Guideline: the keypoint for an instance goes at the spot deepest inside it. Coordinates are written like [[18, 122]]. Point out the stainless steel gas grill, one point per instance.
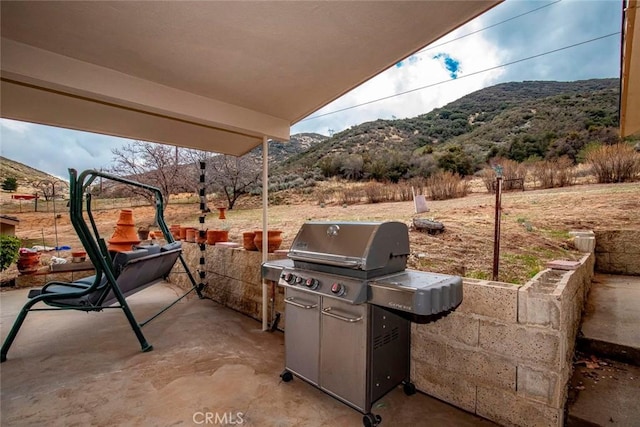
[[348, 306]]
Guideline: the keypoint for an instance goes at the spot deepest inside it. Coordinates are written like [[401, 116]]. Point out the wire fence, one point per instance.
[[97, 204]]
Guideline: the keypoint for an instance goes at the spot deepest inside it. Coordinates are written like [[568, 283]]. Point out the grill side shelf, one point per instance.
[[417, 292]]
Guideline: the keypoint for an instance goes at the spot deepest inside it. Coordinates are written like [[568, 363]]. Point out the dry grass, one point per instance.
[[534, 224]]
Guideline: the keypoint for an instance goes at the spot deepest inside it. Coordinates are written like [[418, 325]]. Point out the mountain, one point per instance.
[[297, 144], [27, 177], [516, 120]]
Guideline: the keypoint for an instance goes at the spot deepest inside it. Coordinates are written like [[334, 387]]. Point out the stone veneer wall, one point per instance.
[[504, 354], [618, 251]]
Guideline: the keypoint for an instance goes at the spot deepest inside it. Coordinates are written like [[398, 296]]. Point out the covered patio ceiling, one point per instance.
[[218, 76]]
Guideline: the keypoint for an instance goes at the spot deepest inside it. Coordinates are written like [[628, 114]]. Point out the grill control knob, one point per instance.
[[312, 283], [288, 277], [337, 289], [298, 280]]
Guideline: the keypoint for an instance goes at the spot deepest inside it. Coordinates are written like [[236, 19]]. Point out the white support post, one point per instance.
[[265, 240]]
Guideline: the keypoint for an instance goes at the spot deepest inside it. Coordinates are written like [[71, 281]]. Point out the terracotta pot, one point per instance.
[[28, 262], [215, 236], [175, 231], [247, 241], [221, 214], [183, 233], [124, 235], [78, 256], [190, 234], [274, 240]]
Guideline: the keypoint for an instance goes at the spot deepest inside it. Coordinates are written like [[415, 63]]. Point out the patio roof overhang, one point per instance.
[[217, 76], [630, 72]]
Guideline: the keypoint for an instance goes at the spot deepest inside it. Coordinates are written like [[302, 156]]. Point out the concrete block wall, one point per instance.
[[233, 275], [618, 251], [505, 353]]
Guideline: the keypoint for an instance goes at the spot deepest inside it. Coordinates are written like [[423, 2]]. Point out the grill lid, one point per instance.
[[363, 246]]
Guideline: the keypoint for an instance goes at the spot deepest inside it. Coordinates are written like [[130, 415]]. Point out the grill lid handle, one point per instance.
[[327, 259]]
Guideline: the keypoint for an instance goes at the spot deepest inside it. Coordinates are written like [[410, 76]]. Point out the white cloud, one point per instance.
[[560, 24], [473, 54], [54, 150], [15, 126]]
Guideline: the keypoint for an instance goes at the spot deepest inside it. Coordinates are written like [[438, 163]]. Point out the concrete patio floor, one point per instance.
[[73, 368]]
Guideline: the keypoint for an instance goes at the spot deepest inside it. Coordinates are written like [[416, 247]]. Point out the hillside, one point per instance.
[[514, 120], [281, 151], [27, 177]]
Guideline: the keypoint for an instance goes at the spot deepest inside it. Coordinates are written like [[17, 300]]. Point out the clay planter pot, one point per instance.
[[190, 234], [28, 262], [274, 239], [175, 231], [124, 236], [247, 241], [78, 256], [215, 236], [183, 233], [221, 215]]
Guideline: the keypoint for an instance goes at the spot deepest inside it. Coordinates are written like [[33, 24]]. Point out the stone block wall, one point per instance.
[[233, 275], [618, 251], [505, 353]]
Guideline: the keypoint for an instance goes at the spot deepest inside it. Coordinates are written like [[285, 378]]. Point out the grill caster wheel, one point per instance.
[[409, 389], [370, 420], [286, 376]]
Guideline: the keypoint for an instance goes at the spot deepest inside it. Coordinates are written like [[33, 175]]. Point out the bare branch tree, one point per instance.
[[229, 175], [51, 190], [154, 164]]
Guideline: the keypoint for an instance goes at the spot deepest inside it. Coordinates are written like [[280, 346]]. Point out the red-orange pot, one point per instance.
[[274, 240], [215, 236]]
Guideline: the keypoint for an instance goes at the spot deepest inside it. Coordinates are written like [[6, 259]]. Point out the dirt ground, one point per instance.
[[534, 227]]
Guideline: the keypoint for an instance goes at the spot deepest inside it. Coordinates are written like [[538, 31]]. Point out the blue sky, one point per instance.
[[455, 60]]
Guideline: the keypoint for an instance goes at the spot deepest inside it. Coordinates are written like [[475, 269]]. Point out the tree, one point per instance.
[[231, 175], [159, 165], [50, 189], [10, 184], [456, 160], [352, 167]]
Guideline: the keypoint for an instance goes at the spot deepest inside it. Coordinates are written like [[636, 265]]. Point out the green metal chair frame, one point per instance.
[[106, 287]]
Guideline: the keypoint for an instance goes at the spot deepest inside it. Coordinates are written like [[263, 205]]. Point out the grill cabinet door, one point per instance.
[[343, 354], [302, 334]]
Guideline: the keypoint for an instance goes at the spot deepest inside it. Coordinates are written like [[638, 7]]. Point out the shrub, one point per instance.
[[614, 163], [446, 185], [514, 175], [9, 246], [553, 173], [403, 191], [375, 192], [350, 196], [455, 159]]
